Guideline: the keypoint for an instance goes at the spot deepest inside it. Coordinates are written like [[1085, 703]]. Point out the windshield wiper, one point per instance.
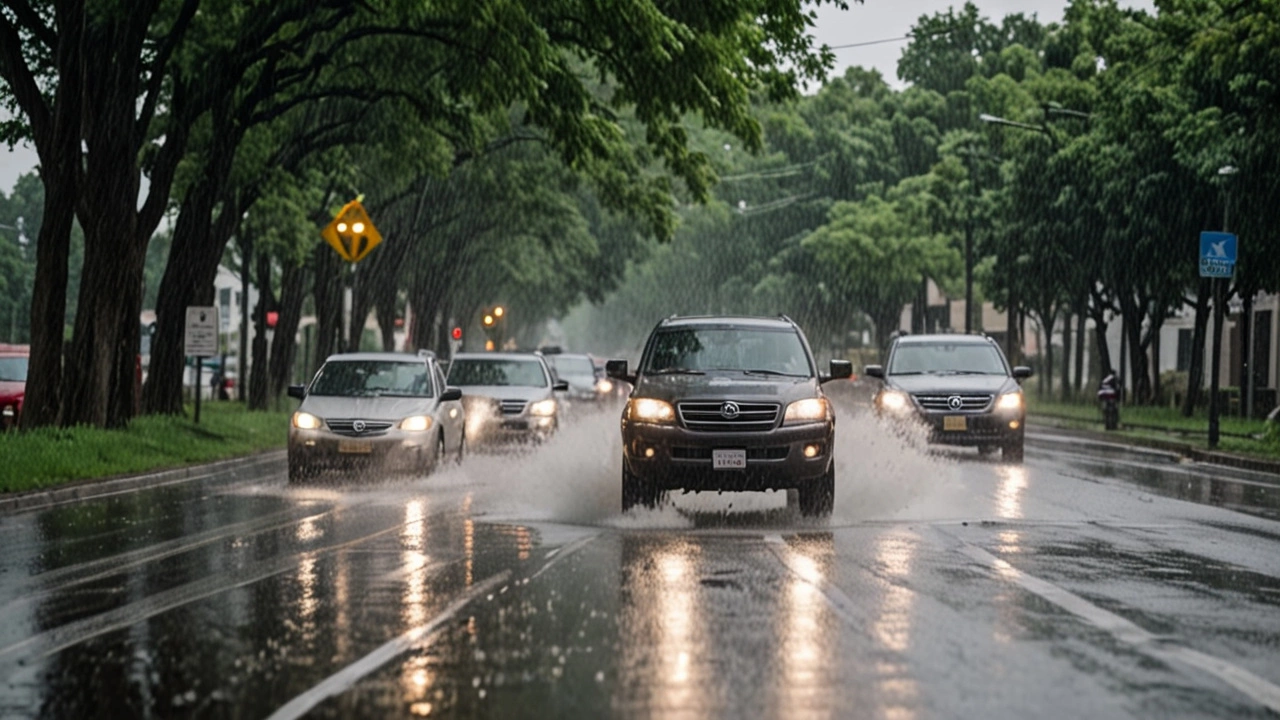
[[913, 372], [401, 394], [777, 373], [676, 371]]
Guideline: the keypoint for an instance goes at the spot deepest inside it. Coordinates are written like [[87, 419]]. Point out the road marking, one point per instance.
[[563, 552], [1260, 690], [348, 676], [843, 605]]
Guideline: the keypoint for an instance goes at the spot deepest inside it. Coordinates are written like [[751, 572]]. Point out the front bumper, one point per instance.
[[510, 430], [672, 457], [975, 429], [396, 450]]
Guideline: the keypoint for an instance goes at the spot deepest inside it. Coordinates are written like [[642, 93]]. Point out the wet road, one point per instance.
[[1077, 585]]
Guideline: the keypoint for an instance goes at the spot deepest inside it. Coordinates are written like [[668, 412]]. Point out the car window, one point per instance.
[[13, 369], [362, 378], [773, 351], [576, 369], [522, 373], [940, 358]]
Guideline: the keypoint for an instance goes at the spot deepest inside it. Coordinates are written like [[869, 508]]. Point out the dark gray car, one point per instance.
[[728, 403], [959, 386]]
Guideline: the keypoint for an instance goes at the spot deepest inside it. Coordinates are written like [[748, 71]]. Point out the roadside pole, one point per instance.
[[201, 340]]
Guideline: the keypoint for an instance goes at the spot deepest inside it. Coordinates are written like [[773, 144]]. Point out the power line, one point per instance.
[[882, 41]]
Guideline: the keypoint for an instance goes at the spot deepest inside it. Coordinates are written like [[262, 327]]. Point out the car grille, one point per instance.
[[764, 453], [942, 403], [707, 416], [512, 407], [347, 427]]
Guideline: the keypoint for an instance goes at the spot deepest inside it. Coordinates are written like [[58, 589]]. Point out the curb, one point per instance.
[[99, 487], [1167, 447]]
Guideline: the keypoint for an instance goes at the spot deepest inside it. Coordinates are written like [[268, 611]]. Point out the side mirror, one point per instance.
[[1021, 372], [617, 369], [298, 391], [875, 371], [840, 370], [561, 386], [450, 394]]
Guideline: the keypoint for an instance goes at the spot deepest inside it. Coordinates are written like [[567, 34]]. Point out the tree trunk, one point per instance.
[[257, 378], [1246, 349], [1066, 355], [1195, 374], [1081, 335], [1139, 367], [293, 281], [41, 403], [189, 275], [328, 299]]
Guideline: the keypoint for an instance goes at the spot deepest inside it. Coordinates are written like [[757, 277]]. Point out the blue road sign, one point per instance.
[[1217, 254]]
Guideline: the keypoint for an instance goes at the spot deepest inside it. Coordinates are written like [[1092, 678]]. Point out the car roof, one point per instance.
[[947, 338], [377, 356], [498, 356], [772, 323]]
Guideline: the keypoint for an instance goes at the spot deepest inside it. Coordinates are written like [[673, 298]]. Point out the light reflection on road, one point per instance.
[[892, 627]]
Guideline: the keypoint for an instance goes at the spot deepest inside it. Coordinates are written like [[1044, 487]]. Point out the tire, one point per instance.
[[437, 458], [1111, 416], [638, 491], [299, 473], [462, 450], [1012, 452], [818, 498]]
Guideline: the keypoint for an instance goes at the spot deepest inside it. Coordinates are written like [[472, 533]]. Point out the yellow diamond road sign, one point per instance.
[[352, 233]]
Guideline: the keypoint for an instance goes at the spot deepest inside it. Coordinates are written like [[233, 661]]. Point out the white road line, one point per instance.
[[1260, 690], [843, 605], [348, 676]]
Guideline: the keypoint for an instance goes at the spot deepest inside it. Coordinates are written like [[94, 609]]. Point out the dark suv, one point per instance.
[[960, 386], [728, 403]]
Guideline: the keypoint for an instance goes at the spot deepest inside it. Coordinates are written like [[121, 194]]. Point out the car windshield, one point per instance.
[[701, 349], [576, 369], [920, 358], [522, 373], [372, 378], [13, 369]]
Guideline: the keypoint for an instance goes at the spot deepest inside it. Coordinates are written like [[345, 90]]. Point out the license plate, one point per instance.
[[955, 423], [355, 447], [729, 459]]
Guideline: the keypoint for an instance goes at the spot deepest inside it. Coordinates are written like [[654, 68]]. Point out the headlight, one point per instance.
[[306, 421], [543, 408], [416, 423], [1009, 401], [604, 387], [807, 410], [651, 411], [894, 401]]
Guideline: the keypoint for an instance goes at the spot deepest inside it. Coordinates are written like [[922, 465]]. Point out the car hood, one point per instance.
[[371, 408], [749, 388], [948, 384], [507, 392], [11, 389]]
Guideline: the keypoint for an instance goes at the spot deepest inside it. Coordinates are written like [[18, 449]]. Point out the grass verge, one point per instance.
[[53, 456], [1236, 434]]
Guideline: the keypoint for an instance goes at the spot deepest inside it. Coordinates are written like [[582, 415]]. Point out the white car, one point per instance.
[[509, 396], [376, 411]]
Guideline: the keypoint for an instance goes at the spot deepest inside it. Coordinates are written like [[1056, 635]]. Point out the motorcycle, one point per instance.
[[1109, 399]]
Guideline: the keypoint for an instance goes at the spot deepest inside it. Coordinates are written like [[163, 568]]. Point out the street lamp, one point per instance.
[[1225, 172]]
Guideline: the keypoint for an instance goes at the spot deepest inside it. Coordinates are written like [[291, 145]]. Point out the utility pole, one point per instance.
[[1218, 316]]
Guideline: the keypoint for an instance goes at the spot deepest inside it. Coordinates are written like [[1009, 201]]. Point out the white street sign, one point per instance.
[[201, 337]]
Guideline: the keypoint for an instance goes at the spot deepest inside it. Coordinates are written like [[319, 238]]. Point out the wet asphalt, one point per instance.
[[1082, 583]]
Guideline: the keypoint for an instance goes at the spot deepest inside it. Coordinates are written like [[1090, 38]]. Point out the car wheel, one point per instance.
[[299, 473], [818, 498], [462, 449], [638, 491], [1012, 452]]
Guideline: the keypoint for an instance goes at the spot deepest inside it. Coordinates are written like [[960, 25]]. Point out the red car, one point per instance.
[[13, 382]]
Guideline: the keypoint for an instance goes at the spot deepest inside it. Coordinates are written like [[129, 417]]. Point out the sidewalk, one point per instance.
[[1181, 449]]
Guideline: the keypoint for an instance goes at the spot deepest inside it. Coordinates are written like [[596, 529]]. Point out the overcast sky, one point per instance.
[[869, 22]]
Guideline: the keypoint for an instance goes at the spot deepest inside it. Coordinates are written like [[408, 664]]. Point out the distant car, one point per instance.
[[728, 403], [587, 382], [509, 396], [376, 411], [14, 361], [960, 387]]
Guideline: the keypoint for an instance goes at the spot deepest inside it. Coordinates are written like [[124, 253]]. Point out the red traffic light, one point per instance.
[[457, 333]]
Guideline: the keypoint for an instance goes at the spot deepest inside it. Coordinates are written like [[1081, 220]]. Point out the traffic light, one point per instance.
[[493, 322], [457, 333]]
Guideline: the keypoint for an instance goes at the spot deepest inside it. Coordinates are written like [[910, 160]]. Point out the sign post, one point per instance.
[[1218, 262], [201, 340]]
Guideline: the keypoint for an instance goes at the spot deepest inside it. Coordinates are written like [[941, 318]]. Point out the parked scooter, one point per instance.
[[1109, 399]]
